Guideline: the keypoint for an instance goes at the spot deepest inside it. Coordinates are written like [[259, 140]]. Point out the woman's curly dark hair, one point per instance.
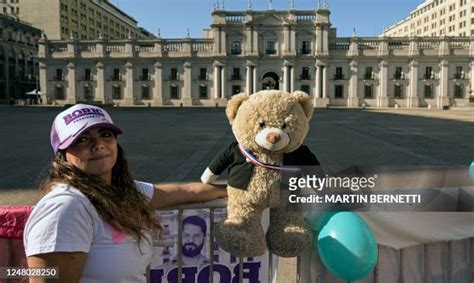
[[119, 204]]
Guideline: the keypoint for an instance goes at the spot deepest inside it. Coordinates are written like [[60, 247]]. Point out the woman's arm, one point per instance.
[[166, 195], [69, 266]]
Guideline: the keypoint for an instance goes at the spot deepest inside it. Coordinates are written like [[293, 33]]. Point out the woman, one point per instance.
[[94, 222]]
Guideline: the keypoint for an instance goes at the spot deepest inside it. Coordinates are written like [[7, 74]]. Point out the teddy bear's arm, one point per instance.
[[220, 162], [208, 177]]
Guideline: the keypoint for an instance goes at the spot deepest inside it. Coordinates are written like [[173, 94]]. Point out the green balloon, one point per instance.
[[346, 245], [471, 171]]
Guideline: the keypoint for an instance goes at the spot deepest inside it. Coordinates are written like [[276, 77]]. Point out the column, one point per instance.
[[45, 96], [292, 41], [442, 97], [382, 99], [158, 90], [318, 45], [255, 41], [223, 82], [217, 81], [248, 81], [292, 78], [317, 81], [129, 82], [286, 39], [353, 100], [100, 89], [256, 87], [325, 81], [187, 94], [248, 41], [71, 80], [285, 78], [412, 97], [325, 40]]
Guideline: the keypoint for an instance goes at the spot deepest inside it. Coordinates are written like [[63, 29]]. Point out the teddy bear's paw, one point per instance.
[[242, 240], [289, 241]]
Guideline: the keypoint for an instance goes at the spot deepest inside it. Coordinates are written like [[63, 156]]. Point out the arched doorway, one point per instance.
[[270, 81]]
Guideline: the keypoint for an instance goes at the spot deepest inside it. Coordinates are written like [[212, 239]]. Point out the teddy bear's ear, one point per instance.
[[306, 103], [233, 105]]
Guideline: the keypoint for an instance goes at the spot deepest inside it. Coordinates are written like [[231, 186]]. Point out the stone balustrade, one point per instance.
[[127, 48]]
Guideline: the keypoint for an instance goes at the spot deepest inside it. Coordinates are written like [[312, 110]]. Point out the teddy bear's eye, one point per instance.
[[262, 124], [283, 126]]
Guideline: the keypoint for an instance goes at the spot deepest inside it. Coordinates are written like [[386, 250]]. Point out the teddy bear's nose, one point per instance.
[[273, 138]]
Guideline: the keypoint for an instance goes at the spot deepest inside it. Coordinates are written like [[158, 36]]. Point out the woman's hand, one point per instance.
[[166, 195]]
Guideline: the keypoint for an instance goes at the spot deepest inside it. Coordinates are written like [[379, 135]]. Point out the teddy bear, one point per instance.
[[269, 127]]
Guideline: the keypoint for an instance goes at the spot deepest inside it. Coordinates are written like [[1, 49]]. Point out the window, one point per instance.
[[174, 94], [59, 75], [339, 75], [428, 91], [305, 47], [398, 91], [236, 74], [203, 91], [339, 91], [368, 73], [203, 74], [368, 91], [236, 48], [88, 95], [305, 73], [174, 74], [459, 73], [458, 91], [270, 47], [145, 92], [306, 89], [398, 73], [59, 92], [116, 75], [235, 89], [145, 75], [87, 75], [116, 92], [429, 73]]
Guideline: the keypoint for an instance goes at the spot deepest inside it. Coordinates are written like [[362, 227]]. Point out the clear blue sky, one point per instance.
[[173, 17]]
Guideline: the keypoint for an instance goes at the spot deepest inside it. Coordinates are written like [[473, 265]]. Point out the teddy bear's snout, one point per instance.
[[273, 138]]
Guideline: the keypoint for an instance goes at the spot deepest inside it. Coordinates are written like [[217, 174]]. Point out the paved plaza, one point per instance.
[[176, 144]]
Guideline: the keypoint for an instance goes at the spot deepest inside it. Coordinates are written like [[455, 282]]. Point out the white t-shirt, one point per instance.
[[64, 220]]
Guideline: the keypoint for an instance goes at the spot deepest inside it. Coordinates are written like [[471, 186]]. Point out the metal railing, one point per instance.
[[211, 206]]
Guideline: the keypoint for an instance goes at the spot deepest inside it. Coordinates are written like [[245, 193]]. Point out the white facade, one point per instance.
[[437, 18], [253, 50]]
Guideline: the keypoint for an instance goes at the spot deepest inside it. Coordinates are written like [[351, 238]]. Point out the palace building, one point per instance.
[[247, 51]]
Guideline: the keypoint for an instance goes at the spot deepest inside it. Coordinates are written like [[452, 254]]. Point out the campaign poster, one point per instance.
[[197, 255]]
